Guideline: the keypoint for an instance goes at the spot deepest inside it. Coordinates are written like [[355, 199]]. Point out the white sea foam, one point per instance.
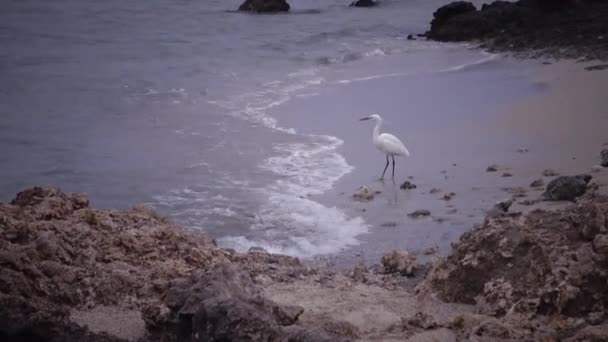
[[290, 221], [488, 57]]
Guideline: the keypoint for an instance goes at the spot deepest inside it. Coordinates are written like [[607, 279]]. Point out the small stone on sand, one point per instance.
[[419, 213], [389, 224], [448, 196], [434, 190], [407, 185], [492, 168], [507, 174]]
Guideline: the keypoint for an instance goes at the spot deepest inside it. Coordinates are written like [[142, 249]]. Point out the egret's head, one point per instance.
[[374, 117]]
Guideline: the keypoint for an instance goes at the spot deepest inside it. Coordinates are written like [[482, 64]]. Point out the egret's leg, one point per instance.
[[393, 166], [385, 167]]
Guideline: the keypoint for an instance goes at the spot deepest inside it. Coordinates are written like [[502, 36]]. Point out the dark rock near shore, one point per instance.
[[540, 265], [566, 188], [264, 6], [363, 3], [565, 27]]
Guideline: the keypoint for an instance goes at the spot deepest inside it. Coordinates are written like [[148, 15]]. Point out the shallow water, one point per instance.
[[203, 113]]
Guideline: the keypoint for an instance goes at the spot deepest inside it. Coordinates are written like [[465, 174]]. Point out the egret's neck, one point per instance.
[[377, 129]]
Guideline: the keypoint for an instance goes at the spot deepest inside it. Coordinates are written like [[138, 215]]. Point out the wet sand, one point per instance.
[[522, 116]]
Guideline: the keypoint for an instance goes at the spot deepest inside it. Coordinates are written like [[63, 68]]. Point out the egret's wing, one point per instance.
[[391, 144]]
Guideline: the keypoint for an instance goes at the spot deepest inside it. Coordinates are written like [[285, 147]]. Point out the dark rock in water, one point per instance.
[[407, 185], [444, 13], [492, 168], [566, 188], [363, 3], [410, 37], [604, 156], [419, 213], [550, 173], [264, 6], [507, 174], [459, 21], [434, 190], [537, 183], [443, 25]]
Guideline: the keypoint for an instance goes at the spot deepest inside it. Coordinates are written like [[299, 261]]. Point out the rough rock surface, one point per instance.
[[550, 266], [566, 188], [569, 28], [223, 304], [64, 266], [72, 273], [399, 262], [604, 158], [264, 6]]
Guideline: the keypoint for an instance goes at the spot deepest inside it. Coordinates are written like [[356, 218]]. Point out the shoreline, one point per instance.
[[526, 270], [144, 273], [517, 150]]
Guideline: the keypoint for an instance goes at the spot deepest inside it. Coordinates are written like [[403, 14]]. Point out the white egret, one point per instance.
[[387, 143]]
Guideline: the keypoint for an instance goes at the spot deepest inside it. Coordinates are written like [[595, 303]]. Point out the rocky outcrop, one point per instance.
[[570, 26], [544, 264], [566, 188], [264, 6], [72, 273], [57, 254]]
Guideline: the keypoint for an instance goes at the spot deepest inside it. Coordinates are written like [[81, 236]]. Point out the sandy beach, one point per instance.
[[521, 116]]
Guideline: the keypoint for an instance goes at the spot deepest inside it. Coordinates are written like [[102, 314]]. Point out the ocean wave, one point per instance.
[[289, 221]]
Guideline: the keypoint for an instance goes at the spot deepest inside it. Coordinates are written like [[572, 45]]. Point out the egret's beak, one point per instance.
[[365, 118]]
